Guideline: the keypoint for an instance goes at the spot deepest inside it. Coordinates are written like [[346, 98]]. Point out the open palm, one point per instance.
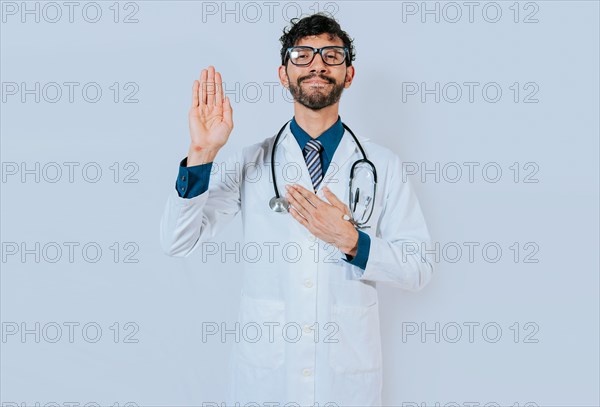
[[211, 115]]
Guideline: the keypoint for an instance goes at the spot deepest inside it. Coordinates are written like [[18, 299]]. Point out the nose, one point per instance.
[[318, 64]]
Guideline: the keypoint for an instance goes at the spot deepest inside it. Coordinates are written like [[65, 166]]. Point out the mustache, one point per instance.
[[322, 77]]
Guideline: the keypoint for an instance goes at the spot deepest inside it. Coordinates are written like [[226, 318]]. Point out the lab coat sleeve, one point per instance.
[[396, 252], [186, 222]]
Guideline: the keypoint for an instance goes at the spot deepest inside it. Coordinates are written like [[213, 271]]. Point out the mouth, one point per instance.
[[316, 84]]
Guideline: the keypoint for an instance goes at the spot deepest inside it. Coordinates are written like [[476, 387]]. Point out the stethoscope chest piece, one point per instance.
[[280, 205]]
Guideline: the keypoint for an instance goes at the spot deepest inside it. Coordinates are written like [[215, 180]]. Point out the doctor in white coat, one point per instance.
[[310, 297]]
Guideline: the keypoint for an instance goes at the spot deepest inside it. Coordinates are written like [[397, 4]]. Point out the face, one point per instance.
[[317, 85]]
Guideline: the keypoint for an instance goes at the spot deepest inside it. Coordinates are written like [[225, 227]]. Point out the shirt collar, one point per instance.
[[330, 138]]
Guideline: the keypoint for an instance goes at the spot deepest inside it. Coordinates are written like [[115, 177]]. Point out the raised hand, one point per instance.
[[210, 118]]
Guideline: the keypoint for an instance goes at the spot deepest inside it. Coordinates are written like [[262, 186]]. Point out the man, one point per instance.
[[327, 287]]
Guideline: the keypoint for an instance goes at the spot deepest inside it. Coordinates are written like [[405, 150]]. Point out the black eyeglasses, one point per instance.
[[303, 56]]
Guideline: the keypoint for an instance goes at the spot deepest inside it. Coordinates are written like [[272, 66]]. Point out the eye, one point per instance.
[[300, 53], [334, 55]]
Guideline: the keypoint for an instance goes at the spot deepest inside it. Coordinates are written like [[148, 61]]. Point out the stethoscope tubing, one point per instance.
[[362, 151]]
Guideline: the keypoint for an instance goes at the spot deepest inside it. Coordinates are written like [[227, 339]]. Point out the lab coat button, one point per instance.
[[307, 372], [308, 283], [312, 238], [307, 329]]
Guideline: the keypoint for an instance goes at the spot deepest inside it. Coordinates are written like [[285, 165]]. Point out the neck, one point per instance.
[[315, 122]]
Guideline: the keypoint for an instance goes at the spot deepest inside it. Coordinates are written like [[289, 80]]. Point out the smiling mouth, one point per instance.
[[319, 84]]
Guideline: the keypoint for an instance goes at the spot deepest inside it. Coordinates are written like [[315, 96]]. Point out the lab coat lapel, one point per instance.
[[336, 178], [292, 170], [293, 156], [334, 175]]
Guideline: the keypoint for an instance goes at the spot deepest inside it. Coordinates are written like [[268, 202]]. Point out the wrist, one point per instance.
[[200, 155], [351, 246]]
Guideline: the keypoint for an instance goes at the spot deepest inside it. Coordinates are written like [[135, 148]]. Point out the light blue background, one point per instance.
[[169, 298]]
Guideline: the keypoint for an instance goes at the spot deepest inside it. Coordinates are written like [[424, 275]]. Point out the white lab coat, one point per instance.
[[330, 351]]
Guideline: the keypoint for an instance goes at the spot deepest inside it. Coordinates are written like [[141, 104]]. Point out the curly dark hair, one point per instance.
[[315, 24]]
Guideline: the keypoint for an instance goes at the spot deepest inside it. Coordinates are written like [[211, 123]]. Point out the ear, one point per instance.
[[283, 78], [349, 76]]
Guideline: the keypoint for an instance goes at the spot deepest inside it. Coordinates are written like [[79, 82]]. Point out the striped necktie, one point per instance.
[[312, 157]]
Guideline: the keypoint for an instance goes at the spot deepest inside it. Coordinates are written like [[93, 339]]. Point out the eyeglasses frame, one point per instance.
[[315, 52]]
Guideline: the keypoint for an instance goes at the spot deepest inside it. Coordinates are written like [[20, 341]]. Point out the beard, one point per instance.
[[316, 98]]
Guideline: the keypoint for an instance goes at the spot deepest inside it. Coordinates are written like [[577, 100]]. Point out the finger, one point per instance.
[[218, 90], [210, 87], [303, 199], [300, 206], [296, 215], [195, 95], [334, 200], [203, 77], [311, 197], [298, 201]]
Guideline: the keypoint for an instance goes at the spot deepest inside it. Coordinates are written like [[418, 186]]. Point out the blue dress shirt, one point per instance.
[[330, 139], [193, 181]]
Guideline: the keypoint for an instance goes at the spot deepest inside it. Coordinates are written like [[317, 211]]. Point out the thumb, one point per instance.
[[227, 112], [334, 200]]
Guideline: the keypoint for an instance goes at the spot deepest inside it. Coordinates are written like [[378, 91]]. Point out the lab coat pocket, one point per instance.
[[358, 345], [261, 341]]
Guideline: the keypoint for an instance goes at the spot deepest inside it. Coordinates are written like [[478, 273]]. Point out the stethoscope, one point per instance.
[[281, 205]]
